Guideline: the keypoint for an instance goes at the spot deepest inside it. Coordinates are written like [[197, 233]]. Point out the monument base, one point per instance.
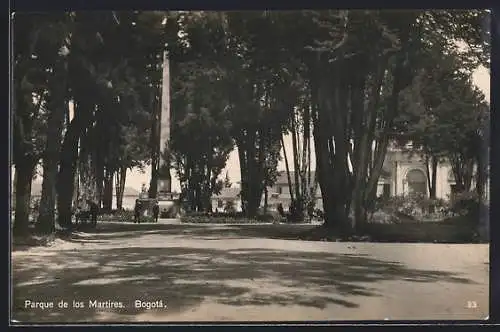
[[163, 185]]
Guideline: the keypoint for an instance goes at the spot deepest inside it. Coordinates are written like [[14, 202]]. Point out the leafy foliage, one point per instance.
[[357, 78], [414, 208]]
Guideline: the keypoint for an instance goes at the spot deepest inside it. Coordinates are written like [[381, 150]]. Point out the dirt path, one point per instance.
[[237, 273]]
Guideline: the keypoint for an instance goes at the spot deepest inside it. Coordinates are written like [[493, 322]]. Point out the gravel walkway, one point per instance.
[[174, 272]]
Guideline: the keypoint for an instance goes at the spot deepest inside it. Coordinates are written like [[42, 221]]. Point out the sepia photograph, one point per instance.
[[249, 166]]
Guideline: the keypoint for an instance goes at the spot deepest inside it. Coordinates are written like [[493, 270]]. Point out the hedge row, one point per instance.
[[123, 216], [222, 220]]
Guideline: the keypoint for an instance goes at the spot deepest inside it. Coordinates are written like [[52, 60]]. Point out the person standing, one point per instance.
[[93, 210], [310, 210], [137, 211], [281, 211], [156, 211]]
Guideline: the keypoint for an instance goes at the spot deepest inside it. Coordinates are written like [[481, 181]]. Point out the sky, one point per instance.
[[135, 179]]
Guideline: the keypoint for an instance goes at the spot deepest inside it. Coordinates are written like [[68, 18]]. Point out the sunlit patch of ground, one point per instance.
[[206, 273]]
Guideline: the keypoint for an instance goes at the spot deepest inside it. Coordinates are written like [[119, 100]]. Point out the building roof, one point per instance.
[[228, 193], [283, 178]]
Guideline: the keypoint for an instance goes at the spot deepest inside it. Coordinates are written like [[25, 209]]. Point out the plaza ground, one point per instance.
[[246, 273]]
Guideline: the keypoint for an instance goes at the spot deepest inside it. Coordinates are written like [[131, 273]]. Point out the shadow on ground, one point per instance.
[[184, 277], [205, 232], [111, 231]]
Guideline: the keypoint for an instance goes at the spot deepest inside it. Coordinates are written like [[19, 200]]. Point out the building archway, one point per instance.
[[417, 182]]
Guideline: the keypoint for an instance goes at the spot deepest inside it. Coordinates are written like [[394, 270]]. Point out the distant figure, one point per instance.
[[137, 211], [93, 210], [144, 192], [280, 210], [156, 211], [76, 212], [310, 210]]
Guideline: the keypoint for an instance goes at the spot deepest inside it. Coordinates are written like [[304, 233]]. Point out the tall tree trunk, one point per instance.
[[305, 166], [25, 113], [400, 80], [295, 156], [208, 183], [255, 165], [107, 197], [242, 155], [309, 179], [481, 176], [58, 107], [265, 199], [251, 175], [24, 177], [364, 124], [462, 168], [13, 190], [323, 168], [469, 172], [482, 160], [66, 175], [434, 166], [243, 170], [121, 175], [99, 176], [198, 198], [262, 154], [431, 164], [428, 172], [287, 169], [83, 117], [331, 152], [87, 179]]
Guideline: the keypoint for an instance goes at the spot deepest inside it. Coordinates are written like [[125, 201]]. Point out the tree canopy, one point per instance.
[[347, 81]]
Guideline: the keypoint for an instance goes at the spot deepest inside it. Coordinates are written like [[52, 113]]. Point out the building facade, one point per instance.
[[279, 193], [227, 199], [403, 174]]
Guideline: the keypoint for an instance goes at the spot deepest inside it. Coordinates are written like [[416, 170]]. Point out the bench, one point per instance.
[[84, 217]]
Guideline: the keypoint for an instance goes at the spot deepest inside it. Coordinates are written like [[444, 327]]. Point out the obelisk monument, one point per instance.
[[164, 177]]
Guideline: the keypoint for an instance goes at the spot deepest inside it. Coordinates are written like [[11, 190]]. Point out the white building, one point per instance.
[[404, 174]]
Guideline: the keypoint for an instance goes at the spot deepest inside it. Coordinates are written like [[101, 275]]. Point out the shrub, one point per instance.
[[318, 213], [414, 206], [217, 220], [216, 214], [147, 219], [452, 230], [269, 217], [124, 215], [466, 203], [229, 207], [230, 217]]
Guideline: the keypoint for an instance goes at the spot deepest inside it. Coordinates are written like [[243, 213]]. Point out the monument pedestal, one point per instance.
[[168, 201]]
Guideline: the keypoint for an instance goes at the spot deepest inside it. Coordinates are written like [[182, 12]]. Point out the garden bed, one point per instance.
[[123, 216], [222, 220], [452, 230], [270, 217]]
